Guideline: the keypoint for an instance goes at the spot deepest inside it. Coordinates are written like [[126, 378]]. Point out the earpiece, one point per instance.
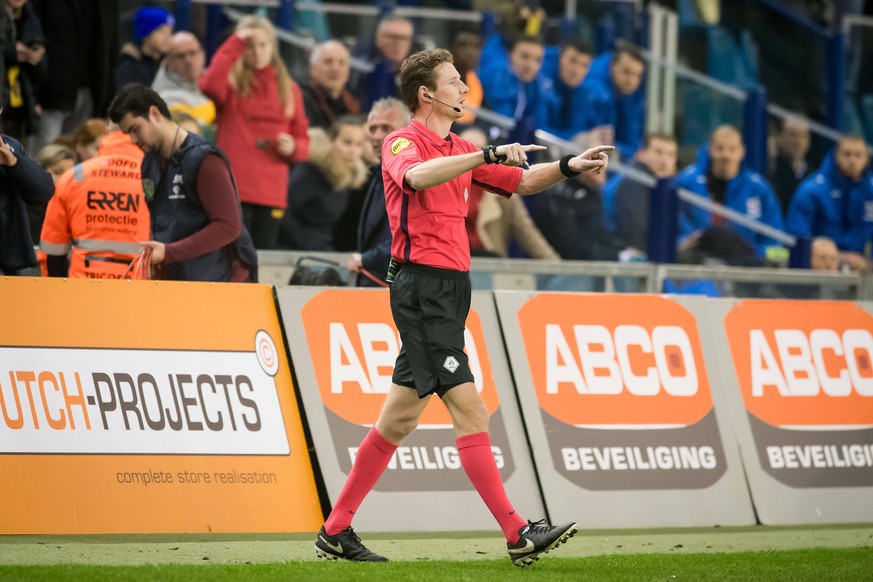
[[457, 109]]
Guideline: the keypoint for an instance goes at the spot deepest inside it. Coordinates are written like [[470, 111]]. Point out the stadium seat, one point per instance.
[[867, 116], [702, 109], [731, 60]]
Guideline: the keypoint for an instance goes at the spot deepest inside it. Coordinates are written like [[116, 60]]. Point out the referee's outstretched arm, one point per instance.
[[438, 171], [541, 176]]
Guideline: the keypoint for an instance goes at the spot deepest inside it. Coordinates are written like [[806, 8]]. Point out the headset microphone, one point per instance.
[[457, 109]]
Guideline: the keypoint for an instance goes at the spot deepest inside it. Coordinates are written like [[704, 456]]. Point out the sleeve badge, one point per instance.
[[400, 144]]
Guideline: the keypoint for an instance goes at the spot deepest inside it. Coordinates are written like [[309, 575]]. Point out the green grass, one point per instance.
[[834, 564]]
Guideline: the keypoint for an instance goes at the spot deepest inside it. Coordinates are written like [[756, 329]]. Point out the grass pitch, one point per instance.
[[819, 564], [843, 552]]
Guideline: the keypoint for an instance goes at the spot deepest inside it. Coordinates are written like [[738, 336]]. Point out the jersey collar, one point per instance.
[[431, 136]]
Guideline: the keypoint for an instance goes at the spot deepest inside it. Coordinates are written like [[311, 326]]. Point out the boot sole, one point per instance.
[[322, 554], [531, 558]]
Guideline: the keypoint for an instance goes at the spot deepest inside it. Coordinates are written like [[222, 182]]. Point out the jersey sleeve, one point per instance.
[[499, 179], [399, 154]]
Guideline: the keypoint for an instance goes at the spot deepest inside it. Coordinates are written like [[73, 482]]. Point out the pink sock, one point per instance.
[[370, 462], [478, 462]]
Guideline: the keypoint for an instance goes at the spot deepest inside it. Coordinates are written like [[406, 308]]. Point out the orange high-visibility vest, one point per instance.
[[473, 98], [99, 212]]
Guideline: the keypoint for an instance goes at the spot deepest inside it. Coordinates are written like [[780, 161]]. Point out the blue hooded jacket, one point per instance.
[[565, 106], [747, 193], [504, 93], [602, 104], [829, 204]]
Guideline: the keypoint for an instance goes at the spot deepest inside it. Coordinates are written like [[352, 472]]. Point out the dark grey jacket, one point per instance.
[[24, 183]]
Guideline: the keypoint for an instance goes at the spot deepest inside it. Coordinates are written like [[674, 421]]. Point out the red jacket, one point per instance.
[[248, 128]]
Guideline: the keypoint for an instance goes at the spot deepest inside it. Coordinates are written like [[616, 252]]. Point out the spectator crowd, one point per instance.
[[238, 155]]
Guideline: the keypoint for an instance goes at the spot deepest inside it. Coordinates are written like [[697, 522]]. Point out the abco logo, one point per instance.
[[615, 361], [354, 343], [804, 365]]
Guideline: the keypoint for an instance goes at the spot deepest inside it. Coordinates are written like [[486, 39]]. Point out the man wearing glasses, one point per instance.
[[176, 81]]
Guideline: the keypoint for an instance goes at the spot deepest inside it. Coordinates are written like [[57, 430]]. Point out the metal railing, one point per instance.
[[301, 42], [740, 95], [673, 69], [685, 195], [525, 274], [405, 11]]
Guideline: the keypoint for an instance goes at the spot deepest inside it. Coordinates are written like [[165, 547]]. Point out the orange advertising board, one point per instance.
[[354, 343], [613, 360], [804, 364], [138, 407], [623, 393], [806, 380]]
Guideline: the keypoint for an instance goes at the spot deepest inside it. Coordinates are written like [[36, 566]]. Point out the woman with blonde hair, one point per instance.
[[261, 122], [87, 138], [56, 159], [319, 190]]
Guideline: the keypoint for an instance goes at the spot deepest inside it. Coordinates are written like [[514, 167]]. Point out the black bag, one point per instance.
[[721, 242], [325, 275]]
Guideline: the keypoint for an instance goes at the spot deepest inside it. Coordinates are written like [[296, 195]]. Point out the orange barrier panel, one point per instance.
[[136, 407], [806, 379], [344, 344], [617, 399]]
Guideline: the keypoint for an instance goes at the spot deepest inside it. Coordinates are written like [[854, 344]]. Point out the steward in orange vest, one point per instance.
[[99, 212]]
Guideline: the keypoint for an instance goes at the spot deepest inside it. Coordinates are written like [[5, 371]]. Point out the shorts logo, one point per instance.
[[451, 364], [400, 144]]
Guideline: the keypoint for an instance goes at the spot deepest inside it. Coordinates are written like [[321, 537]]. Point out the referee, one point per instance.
[[428, 172]]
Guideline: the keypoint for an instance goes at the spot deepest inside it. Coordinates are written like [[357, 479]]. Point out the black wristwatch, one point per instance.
[[489, 152]]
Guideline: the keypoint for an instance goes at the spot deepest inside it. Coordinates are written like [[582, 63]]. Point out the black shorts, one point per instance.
[[430, 308]]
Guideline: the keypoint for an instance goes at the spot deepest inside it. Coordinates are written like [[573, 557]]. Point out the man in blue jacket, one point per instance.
[[566, 68], [719, 175], [22, 182], [613, 95], [515, 88], [837, 202]]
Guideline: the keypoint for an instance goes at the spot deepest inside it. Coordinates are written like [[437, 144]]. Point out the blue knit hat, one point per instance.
[[148, 19]]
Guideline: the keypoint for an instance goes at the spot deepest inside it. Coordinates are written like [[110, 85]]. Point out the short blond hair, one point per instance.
[[420, 69], [53, 153]]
